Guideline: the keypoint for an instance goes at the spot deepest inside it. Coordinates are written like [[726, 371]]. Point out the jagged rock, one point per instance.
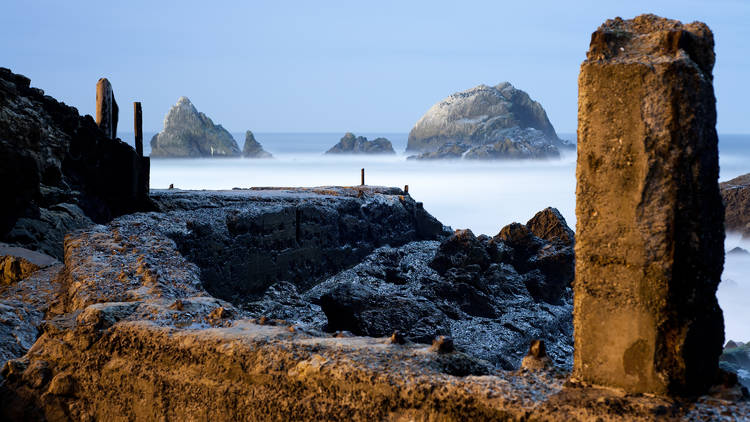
[[736, 196], [253, 148], [190, 133], [62, 171], [116, 332], [351, 144], [489, 123], [17, 264], [736, 359], [650, 238]]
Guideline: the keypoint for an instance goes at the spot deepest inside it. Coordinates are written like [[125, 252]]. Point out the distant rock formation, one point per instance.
[[60, 171], [499, 150], [190, 133], [253, 148], [488, 117], [736, 196], [351, 144]]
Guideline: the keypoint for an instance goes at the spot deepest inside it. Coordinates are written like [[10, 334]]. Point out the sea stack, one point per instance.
[[649, 239], [190, 133], [351, 144], [253, 148], [485, 122]]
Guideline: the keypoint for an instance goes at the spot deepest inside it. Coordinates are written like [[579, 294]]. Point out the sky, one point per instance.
[[325, 66]]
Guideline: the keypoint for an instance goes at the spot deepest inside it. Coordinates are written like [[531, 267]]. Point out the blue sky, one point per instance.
[[319, 66]]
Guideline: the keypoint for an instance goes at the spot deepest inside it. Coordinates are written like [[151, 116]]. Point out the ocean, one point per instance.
[[481, 196]]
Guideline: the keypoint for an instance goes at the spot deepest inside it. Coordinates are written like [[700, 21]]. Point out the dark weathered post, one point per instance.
[[650, 235], [138, 127], [406, 188], [107, 112], [363, 177]]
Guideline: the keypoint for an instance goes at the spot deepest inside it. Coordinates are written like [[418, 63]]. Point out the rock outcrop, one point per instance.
[[60, 171], [736, 359], [736, 196], [351, 144], [499, 150], [487, 117], [190, 133], [130, 332], [253, 148], [650, 235]]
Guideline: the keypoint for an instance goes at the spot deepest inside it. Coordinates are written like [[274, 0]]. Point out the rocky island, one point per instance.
[[253, 148], [485, 122], [189, 133], [351, 144]]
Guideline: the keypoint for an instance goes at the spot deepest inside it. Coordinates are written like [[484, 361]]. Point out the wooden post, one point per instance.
[[363, 177], [138, 127], [406, 188]]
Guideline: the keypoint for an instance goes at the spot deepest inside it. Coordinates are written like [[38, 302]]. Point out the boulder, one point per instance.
[[253, 148], [503, 120], [190, 133], [351, 144], [650, 222], [736, 196]]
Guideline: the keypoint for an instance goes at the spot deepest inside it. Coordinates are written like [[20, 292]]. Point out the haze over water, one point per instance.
[[483, 196]]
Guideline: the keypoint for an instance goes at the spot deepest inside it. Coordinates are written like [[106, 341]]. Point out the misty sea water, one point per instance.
[[481, 196]]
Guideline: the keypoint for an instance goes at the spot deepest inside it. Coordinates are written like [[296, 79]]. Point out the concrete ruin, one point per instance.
[[649, 238], [107, 112]]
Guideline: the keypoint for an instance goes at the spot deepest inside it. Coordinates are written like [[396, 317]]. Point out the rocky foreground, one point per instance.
[[305, 304]]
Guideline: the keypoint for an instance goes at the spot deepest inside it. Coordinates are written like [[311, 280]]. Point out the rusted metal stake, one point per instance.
[[363, 177], [138, 127]]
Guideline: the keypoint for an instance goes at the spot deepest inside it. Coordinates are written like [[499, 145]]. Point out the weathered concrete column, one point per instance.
[[107, 112], [649, 239]]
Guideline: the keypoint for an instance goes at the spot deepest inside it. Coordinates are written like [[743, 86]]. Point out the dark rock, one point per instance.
[[494, 122], [351, 144], [189, 133], [738, 251], [551, 226], [253, 148], [650, 238], [442, 344], [66, 172], [736, 196], [736, 359]]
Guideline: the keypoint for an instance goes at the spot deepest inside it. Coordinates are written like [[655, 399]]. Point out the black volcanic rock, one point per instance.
[[59, 171], [351, 144], [253, 148], [490, 123], [190, 133], [490, 296]]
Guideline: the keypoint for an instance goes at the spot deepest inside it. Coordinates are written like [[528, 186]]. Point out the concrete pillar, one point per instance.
[[107, 112], [649, 238]]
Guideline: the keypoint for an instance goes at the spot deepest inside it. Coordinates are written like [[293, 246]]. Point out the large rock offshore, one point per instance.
[[481, 116], [190, 133], [350, 144], [650, 235]]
